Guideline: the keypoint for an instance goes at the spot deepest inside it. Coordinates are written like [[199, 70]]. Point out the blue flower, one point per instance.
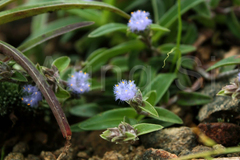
[[78, 83], [139, 21], [238, 77], [32, 95], [125, 90]]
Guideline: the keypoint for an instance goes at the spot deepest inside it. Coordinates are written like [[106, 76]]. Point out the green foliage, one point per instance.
[[224, 62], [193, 99], [108, 51]]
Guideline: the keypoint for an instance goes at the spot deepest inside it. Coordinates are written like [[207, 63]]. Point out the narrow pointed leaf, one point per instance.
[[225, 62], [165, 48], [107, 119], [151, 97], [167, 116], [113, 52], [108, 28], [85, 110], [61, 63], [42, 38], [62, 94], [192, 99], [3, 3], [157, 27], [171, 15], [35, 9], [144, 128], [161, 83], [19, 77], [149, 108]]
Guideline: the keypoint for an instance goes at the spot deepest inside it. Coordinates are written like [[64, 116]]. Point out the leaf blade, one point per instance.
[[227, 61], [32, 10], [49, 35], [108, 28]]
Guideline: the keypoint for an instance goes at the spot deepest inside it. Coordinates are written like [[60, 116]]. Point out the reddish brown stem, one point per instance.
[[39, 79]]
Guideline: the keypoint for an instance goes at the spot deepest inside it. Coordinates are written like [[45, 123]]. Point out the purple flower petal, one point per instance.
[[78, 83], [139, 21], [33, 96], [125, 90]]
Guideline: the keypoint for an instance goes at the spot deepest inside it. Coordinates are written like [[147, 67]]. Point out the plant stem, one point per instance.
[[209, 153], [177, 56]]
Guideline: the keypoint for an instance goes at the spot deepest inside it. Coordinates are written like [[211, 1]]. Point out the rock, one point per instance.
[[221, 108], [173, 140], [47, 155], [14, 156], [20, 147], [68, 156], [184, 152], [201, 148], [32, 157], [157, 154], [226, 134], [82, 155], [113, 155]]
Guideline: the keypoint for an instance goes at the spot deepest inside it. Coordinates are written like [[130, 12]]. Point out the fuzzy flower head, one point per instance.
[[32, 95], [139, 21], [125, 90], [78, 83]]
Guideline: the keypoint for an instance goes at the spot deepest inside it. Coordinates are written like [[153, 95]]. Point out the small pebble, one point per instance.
[[20, 147], [14, 156]]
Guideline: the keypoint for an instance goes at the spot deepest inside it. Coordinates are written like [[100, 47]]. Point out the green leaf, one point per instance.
[[115, 51], [42, 38], [167, 116], [161, 84], [61, 63], [172, 14], [75, 128], [107, 119], [192, 99], [88, 14], [95, 85], [225, 62], [145, 128], [165, 48], [157, 27], [214, 3], [38, 22], [17, 76], [149, 108], [62, 94], [203, 9], [95, 53], [107, 28], [5, 2], [151, 97], [233, 24], [85, 110], [49, 6], [156, 121]]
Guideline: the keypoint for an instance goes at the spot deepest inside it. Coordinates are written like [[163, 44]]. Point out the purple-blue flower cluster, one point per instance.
[[32, 95], [238, 77], [139, 21], [125, 90], [78, 83]]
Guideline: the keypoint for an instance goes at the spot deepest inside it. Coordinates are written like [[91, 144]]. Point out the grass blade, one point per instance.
[[32, 10], [42, 38]]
